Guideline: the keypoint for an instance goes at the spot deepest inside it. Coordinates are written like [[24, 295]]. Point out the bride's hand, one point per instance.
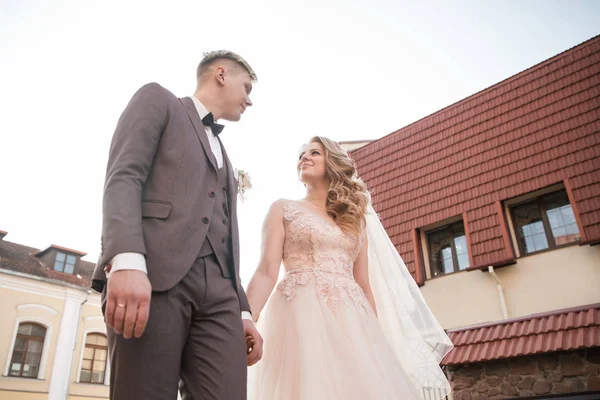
[[254, 342]]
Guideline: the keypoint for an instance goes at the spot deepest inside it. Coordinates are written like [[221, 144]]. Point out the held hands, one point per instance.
[[128, 309], [128, 302], [254, 342]]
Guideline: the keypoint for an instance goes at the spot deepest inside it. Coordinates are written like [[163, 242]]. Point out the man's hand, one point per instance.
[[254, 342], [128, 302]]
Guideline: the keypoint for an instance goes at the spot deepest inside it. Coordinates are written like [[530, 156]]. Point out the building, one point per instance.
[[351, 145], [494, 205], [53, 344]]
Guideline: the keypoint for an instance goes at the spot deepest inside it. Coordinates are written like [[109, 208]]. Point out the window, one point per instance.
[[27, 352], [448, 251], [93, 366], [64, 263], [545, 222]]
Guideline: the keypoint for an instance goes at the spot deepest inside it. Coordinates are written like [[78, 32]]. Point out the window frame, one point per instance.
[[95, 347], [537, 199], [42, 340], [107, 369], [446, 225], [64, 263]]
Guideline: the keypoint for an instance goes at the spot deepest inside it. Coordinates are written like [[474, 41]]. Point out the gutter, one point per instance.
[[500, 292]]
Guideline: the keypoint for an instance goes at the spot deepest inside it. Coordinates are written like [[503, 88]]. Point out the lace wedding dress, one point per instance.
[[322, 340]]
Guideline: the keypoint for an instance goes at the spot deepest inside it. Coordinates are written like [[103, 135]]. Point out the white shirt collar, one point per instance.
[[202, 111], [215, 145]]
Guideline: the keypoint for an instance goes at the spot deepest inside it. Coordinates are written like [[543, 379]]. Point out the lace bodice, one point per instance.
[[316, 248]]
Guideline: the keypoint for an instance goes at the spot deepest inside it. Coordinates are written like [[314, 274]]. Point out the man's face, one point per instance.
[[237, 86]]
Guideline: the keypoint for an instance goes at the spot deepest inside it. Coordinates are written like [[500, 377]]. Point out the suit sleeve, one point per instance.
[[132, 151], [244, 305]]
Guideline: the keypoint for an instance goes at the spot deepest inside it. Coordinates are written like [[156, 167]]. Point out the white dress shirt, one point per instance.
[[136, 261], [215, 145]]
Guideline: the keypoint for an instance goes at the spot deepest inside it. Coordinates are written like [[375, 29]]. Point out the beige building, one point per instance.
[[53, 343], [494, 205]]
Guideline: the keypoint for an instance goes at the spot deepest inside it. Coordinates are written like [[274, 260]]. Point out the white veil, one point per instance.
[[416, 337]]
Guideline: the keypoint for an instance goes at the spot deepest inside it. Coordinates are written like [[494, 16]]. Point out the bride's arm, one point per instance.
[[265, 277], [361, 271]]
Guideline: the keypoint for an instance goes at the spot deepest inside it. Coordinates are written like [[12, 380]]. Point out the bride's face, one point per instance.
[[311, 163]]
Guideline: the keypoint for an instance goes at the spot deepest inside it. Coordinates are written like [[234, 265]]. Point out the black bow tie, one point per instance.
[[209, 120]]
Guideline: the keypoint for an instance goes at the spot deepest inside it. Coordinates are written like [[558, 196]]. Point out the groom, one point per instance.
[[176, 313]]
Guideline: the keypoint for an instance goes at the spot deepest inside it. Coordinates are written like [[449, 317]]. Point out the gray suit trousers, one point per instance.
[[194, 342]]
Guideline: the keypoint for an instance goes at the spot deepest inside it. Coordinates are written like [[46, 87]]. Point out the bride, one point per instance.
[[346, 321]]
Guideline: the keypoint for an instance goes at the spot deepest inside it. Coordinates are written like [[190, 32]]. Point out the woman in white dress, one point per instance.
[[346, 321]]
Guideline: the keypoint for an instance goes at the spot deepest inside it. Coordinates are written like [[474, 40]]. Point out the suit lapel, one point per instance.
[[232, 188], [190, 108]]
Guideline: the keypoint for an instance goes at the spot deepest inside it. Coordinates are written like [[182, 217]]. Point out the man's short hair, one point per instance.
[[209, 57]]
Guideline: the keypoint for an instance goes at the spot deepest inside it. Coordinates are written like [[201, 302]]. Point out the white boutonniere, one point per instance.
[[244, 183]]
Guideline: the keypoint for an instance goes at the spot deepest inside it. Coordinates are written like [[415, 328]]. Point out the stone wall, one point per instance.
[[553, 373]]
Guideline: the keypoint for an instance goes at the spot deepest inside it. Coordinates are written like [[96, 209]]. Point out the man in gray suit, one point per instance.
[[176, 313]]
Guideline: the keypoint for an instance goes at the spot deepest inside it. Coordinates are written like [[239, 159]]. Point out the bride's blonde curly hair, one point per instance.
[[347, 197]]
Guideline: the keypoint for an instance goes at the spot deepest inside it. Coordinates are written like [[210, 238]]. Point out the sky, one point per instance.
[[346, 70]]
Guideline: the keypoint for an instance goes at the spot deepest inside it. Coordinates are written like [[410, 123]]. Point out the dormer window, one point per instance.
[[64, 262], [60, 259]]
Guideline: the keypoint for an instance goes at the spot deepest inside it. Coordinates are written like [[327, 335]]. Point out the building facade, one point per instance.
[[53, 345], [494, 205]]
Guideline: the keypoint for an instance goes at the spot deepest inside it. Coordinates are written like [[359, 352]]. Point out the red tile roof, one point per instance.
[[535, 129], [19, 258], [560, 330]]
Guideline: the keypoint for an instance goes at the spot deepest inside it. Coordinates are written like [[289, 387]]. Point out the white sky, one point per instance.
[[346, 71]]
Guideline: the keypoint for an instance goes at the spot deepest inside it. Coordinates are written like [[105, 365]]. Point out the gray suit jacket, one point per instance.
[[160, 172]]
